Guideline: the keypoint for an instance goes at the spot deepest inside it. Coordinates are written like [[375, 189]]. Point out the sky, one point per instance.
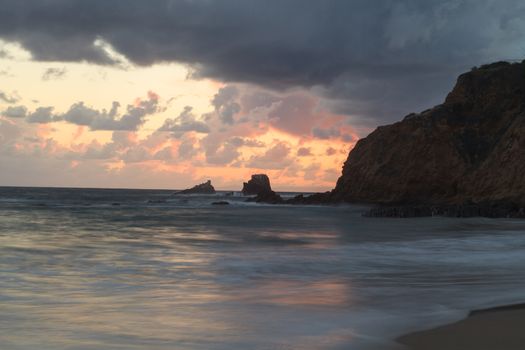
[[170, 93]]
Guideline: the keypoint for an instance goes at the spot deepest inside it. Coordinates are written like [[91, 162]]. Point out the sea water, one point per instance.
[[140, 269]]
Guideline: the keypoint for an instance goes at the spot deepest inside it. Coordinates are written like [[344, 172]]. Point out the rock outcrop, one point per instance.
[[269, 197], [204, 188], [468, 152], [259, 185]]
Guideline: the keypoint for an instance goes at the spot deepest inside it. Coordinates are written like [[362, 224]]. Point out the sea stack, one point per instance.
[[204, 188], [465, 155], [259, 185]]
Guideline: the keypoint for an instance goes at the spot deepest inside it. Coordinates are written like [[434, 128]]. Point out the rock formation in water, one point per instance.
[[259, 185], [465, 157], [204, 188]]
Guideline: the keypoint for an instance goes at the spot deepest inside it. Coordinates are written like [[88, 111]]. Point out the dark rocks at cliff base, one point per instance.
[[221, 203], [204, 188], [490, 210], [259, 185], [316, 198], [470, 149]]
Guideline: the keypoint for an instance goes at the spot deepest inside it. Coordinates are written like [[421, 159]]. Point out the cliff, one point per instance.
[[468, 150]]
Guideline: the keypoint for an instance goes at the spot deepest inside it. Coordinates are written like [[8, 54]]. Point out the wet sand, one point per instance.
[[501, 328]]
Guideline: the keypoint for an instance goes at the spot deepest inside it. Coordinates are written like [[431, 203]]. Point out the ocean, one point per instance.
[[144, 269]]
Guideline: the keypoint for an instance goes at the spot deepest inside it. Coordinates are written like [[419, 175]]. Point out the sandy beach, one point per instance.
[[500, 328]]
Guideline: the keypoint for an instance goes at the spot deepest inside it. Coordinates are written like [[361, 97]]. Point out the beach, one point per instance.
[[489, 329]]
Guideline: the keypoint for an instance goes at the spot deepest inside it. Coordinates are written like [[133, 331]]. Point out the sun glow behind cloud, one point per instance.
[[69, 129]]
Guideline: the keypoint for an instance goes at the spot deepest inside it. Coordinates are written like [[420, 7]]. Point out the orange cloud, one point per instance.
[[290, 137]]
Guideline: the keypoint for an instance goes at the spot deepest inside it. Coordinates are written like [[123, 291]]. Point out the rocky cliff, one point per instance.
[[470, 149]]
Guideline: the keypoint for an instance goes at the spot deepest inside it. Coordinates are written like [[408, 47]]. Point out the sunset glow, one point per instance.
[[60, 129]]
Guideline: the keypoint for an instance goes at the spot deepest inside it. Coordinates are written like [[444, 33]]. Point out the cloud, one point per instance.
[[294, 113], [289, 42], [80, 114], [54, 73], [378, 48], [330, 151], [42, 115], [185, 122], [277, 157], [187, 149], [304, 152], [223, 155], [256, 99], [247, 142], [96, 151], [311, 171], [325, 134], [136, 154], [225, 105], [15, 112], [9, 132], [331, 175], [8, 98], [220, 150]]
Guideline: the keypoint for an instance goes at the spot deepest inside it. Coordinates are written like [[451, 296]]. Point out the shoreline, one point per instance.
[[487, 210], [485, 329]]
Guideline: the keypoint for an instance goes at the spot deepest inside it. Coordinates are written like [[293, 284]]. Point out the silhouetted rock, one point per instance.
[[465, 157], [269, 197], [258, 183], [221, 203], [204, 188], [316, 198]]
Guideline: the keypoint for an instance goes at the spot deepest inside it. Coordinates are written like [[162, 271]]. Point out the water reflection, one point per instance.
[[286, 278], [324, 293]]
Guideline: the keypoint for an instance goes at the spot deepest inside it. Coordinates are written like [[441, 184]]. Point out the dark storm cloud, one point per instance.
[[371, 56]]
